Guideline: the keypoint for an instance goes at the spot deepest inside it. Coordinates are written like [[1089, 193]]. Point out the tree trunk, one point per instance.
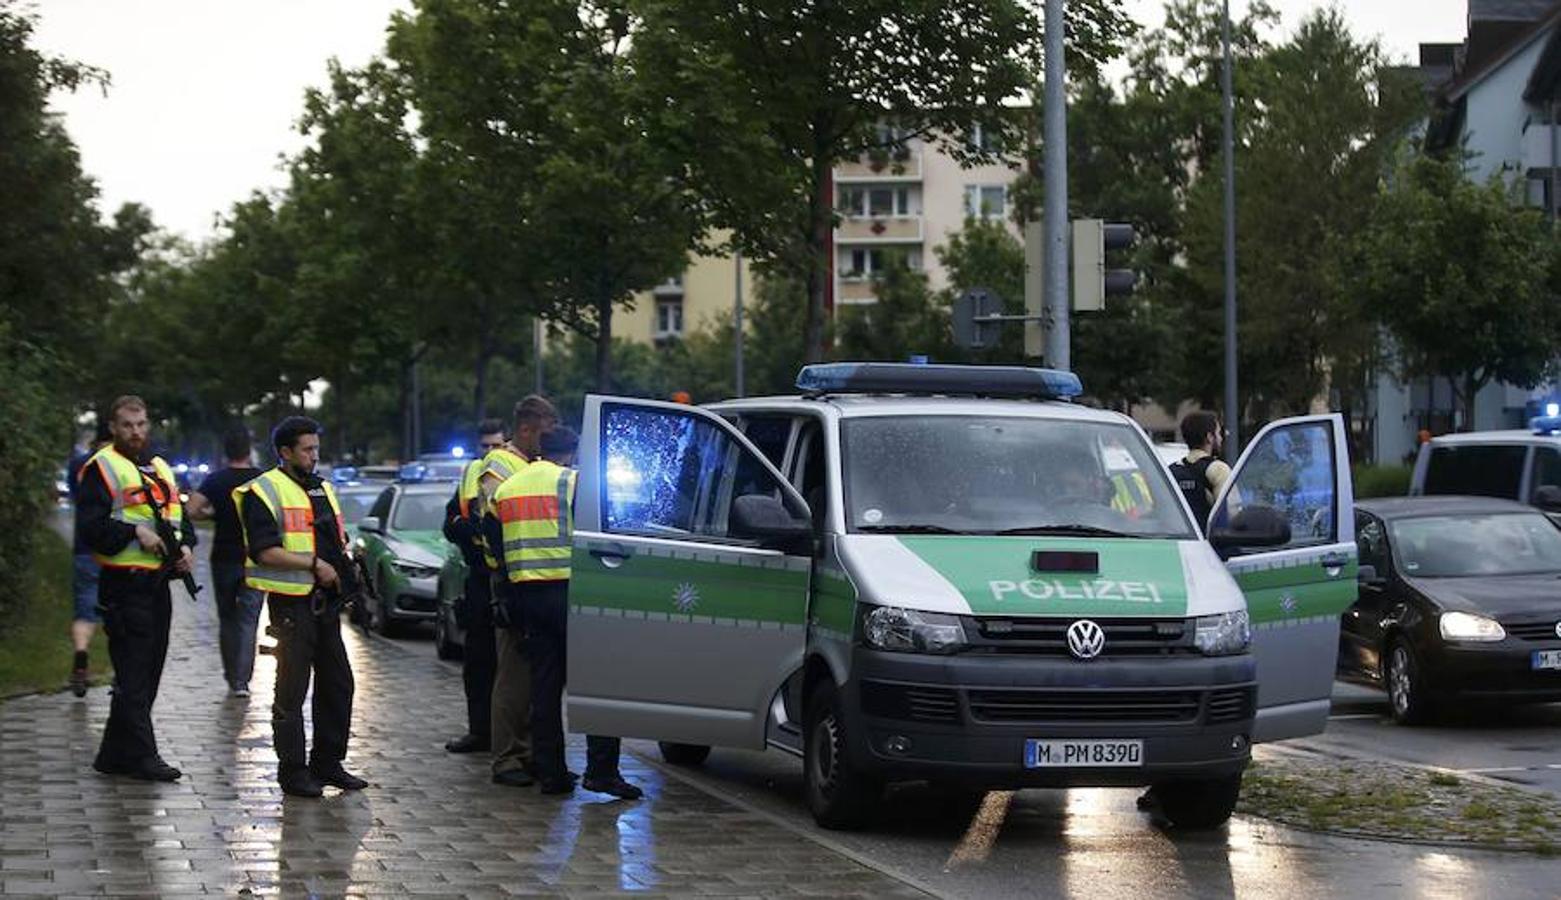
[[485, 353], [820, 246], [1471, 390], [604, 346]]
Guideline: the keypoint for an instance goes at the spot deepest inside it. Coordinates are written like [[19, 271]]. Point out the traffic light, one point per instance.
[[976, 321], [1093, 282]]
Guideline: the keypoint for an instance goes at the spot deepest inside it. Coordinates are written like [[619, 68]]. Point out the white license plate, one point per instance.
[[1042, 753], [1547, 659]]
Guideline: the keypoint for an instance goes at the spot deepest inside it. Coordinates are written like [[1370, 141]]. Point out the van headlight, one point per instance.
[[912, 631], [413, 570], [1462, 626], [1224, 634]]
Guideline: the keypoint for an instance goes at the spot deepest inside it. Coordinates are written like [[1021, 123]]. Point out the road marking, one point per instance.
[[1491, 769], [977, 843], [1355, 716]]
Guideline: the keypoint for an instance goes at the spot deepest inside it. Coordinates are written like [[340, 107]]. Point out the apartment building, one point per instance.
[[907, 203]]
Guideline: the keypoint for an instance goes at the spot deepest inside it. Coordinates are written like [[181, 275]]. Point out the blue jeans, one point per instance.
[[238, 612], [84, 587]]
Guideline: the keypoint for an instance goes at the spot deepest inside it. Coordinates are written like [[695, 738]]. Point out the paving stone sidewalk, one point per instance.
[[430, 824]]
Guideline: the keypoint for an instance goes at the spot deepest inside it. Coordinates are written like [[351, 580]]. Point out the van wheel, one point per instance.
[[1406, 685], [1198, 805], [838, 794], [684, 754]]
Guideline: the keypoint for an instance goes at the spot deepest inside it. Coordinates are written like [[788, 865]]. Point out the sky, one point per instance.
[[205, 93]]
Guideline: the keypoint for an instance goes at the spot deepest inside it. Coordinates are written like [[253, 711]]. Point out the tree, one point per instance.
[[541, 98], [1463, 279], [769, 95]]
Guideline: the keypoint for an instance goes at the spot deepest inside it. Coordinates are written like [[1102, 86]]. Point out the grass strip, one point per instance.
[[1374, 799], [35, 648]]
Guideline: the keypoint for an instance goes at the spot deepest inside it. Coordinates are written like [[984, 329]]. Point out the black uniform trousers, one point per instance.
[[309, 641], [479, 659], [137, 611], [544, 607]]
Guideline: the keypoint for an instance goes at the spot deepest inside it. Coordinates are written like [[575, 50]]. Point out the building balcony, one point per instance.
[[879, 230], [672, 287], [897, 167], [853, 289]]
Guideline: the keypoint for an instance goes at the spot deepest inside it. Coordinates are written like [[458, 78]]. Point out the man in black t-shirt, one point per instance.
[[238, 606], [300, 560]]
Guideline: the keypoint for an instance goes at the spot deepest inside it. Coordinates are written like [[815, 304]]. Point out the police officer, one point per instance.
[[295, 550], [1201, 473], [535, 508], [512, 670], [475, 610], [123, 491]]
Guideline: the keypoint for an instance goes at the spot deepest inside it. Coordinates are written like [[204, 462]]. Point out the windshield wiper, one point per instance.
[[909, 529], [1069, 529]]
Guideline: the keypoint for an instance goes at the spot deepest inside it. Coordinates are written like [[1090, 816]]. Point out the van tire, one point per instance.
[[684, 754], [838, 794], [1198, 805]]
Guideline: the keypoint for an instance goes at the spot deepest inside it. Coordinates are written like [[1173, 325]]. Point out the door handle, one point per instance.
[[612, 558], [1333, 564]]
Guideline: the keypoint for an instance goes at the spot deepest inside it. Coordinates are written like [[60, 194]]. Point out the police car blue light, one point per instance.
[[1545, 424], [903, 378]]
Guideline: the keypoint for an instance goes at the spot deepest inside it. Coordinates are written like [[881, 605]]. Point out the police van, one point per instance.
[[942, 573]]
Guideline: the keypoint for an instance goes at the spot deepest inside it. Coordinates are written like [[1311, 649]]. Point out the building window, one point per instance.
[[866, 262], [983, 139], [985, 201], [875, 202], [669, 318]]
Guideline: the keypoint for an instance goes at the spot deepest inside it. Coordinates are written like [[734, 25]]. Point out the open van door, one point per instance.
[[1297, 590], [689, 590]]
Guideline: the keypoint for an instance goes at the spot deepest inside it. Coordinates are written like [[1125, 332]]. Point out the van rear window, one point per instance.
[[1489, 471]]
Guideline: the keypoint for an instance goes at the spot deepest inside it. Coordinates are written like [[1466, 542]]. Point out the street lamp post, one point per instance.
[[1055, 177], [1232, 411], [737, 327]]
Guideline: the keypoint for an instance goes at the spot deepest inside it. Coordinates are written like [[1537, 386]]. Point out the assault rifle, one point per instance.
[[173, 548]]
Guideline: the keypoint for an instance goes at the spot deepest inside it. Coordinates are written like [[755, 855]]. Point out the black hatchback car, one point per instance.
[[1460, 602]]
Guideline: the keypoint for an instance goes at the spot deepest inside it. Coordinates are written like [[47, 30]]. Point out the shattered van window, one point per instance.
[[658, 468]]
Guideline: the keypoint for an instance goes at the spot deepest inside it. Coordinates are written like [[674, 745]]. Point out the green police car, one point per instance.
[[925, 573], [400, 548]]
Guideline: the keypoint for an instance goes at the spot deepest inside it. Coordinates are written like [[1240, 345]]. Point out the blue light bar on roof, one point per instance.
[[1545, 424], [902, 378]]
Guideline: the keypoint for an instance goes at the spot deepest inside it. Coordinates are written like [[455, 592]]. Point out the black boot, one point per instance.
[[299, 782], [336, 776], [467, 743]]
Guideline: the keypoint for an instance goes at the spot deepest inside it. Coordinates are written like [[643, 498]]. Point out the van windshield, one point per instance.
[[1005, 475]]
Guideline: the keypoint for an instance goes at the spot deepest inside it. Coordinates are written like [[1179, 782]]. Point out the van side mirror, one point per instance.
[[1368, 575], [1254, 527], [370, 525], [765, 519], [1548, 498]]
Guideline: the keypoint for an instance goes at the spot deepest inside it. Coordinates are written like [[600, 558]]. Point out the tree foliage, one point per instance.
[[1464, 280]]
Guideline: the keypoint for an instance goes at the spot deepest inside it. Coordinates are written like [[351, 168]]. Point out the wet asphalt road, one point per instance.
[[1096, 843]]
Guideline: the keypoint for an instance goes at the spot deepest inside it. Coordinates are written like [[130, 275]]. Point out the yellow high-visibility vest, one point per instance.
[[132, 505], [502, 463], [471, 478], [289, 504], [1131, 495], [534, 507]]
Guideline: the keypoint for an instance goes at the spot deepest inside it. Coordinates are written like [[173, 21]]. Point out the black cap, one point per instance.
[[559, 441]]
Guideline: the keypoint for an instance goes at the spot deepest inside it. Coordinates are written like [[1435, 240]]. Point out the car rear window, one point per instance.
[[1493, 470]]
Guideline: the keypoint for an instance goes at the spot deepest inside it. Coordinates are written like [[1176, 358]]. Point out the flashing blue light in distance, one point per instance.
[[919, 360], [458, 452], [1553, 409], [1545, 424], [182, 468], [905, 378], [203, 468]]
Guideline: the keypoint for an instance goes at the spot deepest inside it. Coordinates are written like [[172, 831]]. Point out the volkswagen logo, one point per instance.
[[1086, 639]]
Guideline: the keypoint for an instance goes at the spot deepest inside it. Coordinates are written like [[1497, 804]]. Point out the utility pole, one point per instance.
[[1232, 410], [1055, 163], [536, 354], [737, 327]]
